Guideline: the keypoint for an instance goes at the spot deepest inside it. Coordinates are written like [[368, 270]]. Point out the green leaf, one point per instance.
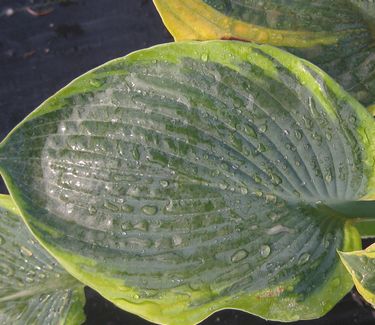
[[337, 35], [371, 109], [361, 265], [34, 288], [366, 228], [192, 177]]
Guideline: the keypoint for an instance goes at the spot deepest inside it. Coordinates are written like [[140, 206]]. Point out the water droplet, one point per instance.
[[251, 132], [298, 134], [276, 180], [261, 148], [111, 206], [327, 240], [169, 205], [265, 250], [304, 258], [25, 252], [136, 296], [317, 137], [257, 179], [263, 128], [177, 240], [127, 208], [270, 198], [243, 190], [29, 280], [328, 177], [223, 186], [278, 229], [274, 216], [164, 183], [239, 255], [92, 210], [126, 226], [143, 225], [352, 119], [286, 132], [149, 209]]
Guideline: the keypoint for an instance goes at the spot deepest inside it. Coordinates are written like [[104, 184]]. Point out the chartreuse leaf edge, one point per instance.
[[90, 190], [361, 266]]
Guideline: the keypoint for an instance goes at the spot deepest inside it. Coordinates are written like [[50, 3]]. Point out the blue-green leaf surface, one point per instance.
[[34, 289], [192, 177]]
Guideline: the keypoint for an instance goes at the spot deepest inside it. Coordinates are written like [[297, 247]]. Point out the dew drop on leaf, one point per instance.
[[298, 134], [149, 209], [278, 229], [164, 183], [243, 190], [92, 210], [29, 280], [127, 208], [223, 186], [143, 226], [263, 128], [25, 252], [276, 180], [265, 250], [239, 255], [304, 258], [177, 240]]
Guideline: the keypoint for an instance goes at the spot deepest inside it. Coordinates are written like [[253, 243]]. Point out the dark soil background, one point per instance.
[[44, 44]]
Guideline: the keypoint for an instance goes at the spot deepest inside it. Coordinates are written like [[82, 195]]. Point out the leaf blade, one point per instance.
[[110, 173], [34, 289], [360, 264]]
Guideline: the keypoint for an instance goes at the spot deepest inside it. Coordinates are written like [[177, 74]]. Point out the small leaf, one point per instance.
[[361, 266], [337, 35], [33, 287], [192, 177]]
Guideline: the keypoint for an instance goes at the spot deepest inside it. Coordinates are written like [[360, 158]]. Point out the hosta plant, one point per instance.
[[337, 35], [197, 176], [361, 265]]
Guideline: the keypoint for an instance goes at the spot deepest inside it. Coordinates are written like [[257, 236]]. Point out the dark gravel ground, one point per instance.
[[44, 44]]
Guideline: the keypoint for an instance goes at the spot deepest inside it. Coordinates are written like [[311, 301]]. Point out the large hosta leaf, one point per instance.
[[34, 288], [361, 265], [192, 177], [337, 35]]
